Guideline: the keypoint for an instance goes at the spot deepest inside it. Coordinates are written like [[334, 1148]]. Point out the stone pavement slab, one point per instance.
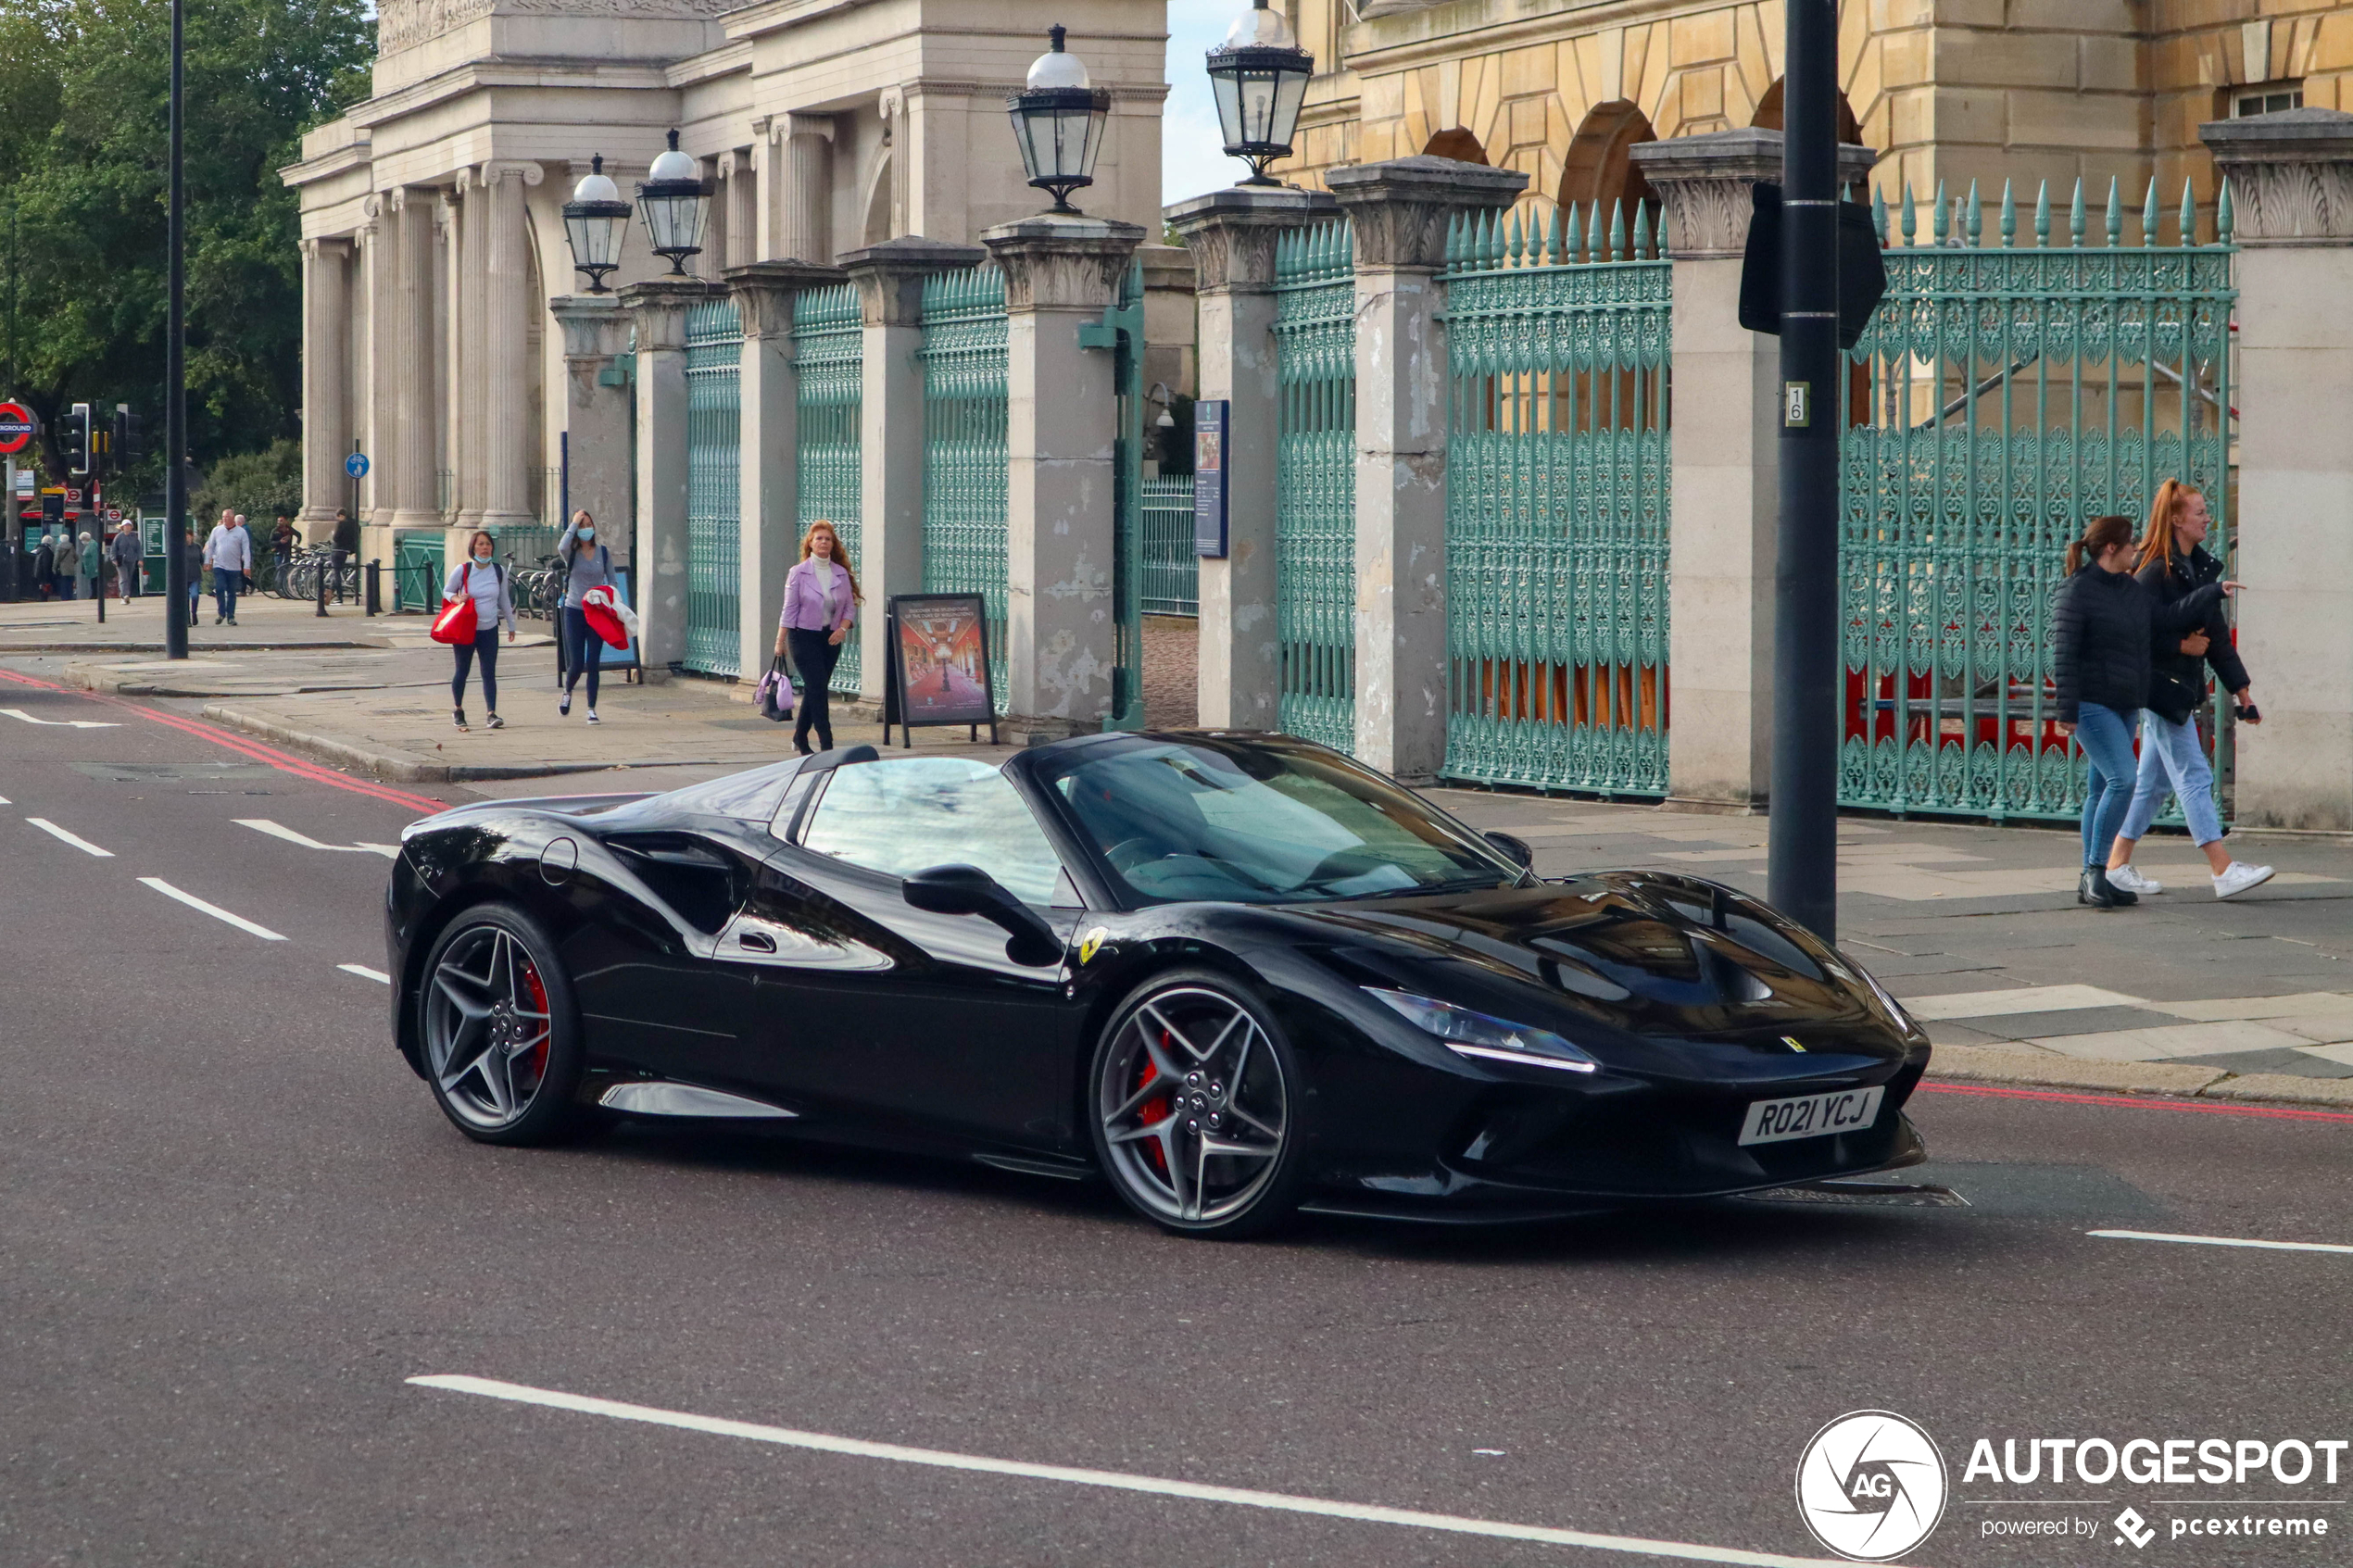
[[137, 625]]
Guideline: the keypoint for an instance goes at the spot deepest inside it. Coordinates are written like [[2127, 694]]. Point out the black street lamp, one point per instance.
[[595, 221], [1259, 75], [676, 202], [1058, 118]]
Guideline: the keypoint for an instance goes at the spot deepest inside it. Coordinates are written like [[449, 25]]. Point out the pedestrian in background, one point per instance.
[[127, 556], [2173, 563], [484, 581], [821, 604], [229, 551], [2102, 626], [346, 545], [85, 568], [192, 567], [62, 564], [45, 565], [587, 564], [283, 540]]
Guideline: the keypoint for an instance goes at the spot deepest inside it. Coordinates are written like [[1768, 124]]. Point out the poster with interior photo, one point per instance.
[[939, 658]]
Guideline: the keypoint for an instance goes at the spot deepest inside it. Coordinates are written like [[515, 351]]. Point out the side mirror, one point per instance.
[[968, 890], [1515, 850]]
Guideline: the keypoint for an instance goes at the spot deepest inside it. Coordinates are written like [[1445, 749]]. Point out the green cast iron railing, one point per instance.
[[829, 366], [714, 479], [1172, 572], [964, 359], [418, 571], [2009, 388], [1315, 483], [1558, 351]]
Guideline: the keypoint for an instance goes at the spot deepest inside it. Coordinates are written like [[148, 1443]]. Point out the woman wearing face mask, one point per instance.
[[485, 582], [587, 564], [820, 603], [2101, 628]]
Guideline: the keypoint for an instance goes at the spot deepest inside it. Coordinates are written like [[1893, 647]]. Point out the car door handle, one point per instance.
[[757, 941]]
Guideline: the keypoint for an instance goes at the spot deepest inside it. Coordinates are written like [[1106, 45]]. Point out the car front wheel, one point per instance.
[[501, 1036]]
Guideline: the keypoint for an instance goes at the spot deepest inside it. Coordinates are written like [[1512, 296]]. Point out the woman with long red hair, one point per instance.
[[821, 605]]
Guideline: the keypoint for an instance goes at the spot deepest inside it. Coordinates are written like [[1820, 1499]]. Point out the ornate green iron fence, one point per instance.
[[1172, 572], [964, 357], [829, 364], [715, 478], [1556, 502], [2004, 394], [418, 571], [1315, 483]]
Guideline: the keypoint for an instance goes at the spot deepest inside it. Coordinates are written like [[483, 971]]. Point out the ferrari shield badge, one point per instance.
[[1088, 944]]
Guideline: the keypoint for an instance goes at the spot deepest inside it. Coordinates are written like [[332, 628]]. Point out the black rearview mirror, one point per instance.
[[968, 890], [1515, 850]]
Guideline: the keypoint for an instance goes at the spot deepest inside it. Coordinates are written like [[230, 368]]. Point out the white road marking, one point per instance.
[[45, 825], [1282, 1502], [60, 724], [364, 973], [2224, 1241], [215, 910], [5, 801], [263, 824]]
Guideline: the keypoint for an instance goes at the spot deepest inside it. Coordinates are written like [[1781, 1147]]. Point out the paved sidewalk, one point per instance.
[[137, 625]]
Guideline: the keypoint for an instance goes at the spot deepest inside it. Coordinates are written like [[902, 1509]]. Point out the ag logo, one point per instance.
[[1870, 1485]]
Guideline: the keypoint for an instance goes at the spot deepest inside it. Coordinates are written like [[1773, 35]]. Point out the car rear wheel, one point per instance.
[[1195, 1102], [501, 1037]]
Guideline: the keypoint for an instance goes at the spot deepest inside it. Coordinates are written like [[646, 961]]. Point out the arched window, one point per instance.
[[1456, 143], [1600, 166], [1768, 115]]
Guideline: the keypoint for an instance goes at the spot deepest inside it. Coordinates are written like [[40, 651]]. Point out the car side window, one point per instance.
[[908, 815]]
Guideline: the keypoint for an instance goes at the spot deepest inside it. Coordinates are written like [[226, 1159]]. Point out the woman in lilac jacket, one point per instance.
[[820, 603]]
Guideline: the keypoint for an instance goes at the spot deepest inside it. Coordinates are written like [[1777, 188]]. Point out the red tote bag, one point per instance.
[[456, 621]]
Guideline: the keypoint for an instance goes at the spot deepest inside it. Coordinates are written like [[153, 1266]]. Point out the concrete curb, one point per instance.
[[1987, 1065], [406, 767], [114, 683], [26, 650]]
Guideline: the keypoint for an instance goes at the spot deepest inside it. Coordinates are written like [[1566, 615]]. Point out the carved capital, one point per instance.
[[595, 326], [529, 173], [890, 276], [658, 308], [2291, 176], [1400, 209], [1053, 262], [1232, 233], [764, 292], [1703, 183], [805, 125]]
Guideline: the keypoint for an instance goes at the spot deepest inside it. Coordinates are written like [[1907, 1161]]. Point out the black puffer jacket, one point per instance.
[[2177, 679], [2103, 626]]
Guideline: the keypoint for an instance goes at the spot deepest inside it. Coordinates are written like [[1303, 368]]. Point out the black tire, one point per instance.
[[492, 1077], [1229, 1163]]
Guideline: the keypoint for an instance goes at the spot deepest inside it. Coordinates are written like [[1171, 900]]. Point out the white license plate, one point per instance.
[[1811, 1116]]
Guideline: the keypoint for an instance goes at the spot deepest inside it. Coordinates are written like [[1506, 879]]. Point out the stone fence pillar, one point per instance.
[[595, 332], [1725, 483], [1400, 210], [889, 278], [2290, 179], [1062, 430], [658, 553], [1231, 234]]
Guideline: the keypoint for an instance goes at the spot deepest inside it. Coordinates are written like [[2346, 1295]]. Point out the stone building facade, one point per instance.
[[431, 231]]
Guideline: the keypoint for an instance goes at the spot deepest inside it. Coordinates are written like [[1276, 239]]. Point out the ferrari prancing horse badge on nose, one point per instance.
[[1090, 942]]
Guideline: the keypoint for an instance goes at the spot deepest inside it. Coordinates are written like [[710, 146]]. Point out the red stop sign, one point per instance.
[[16, 427]]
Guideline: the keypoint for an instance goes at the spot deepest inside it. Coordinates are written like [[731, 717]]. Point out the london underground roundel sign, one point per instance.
[[16, 427]]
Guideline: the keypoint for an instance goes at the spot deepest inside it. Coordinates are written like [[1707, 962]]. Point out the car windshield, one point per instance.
[[1253, 822]]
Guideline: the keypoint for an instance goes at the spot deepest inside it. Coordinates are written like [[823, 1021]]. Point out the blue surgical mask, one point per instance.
[[587, 534]]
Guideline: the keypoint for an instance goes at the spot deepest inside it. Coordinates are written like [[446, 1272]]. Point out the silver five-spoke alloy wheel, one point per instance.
[[487, 1028], [1194, 1109]]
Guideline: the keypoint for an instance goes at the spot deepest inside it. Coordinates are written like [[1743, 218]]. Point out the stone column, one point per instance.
[[889, 278], [506, 345], [1400, 210], [326, 420], [770, 405], [806, 199], [472, 370], [2290, 179], [1231, 234], [1724, 497], [596, 332], [658, 550], [415, 502], [378, 244], [1062, 426], [740, 186]]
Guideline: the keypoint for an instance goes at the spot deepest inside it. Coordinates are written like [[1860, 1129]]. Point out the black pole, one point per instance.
[[175, 374], [1802, 865]]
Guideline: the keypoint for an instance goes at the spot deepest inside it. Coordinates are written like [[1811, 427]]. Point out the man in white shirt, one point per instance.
[[229, 552]]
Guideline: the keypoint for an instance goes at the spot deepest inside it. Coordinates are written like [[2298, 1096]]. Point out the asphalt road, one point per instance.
[[233, 1226]]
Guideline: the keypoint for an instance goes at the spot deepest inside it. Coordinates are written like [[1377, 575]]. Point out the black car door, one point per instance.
[[871, 1009]]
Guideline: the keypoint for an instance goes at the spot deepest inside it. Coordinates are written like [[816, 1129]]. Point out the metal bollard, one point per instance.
[[375, 587], [324, 570]]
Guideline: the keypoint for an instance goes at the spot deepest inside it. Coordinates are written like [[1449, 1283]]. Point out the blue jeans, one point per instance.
[[584, 651], [486, 647], [2107, 739], [2177, 751], [225, 591]]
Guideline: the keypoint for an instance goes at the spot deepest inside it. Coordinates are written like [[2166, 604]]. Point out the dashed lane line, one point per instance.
[[364, 973], [1282, 1502], [53, 830], [2224, 1241], [276, 830], [215, 910]]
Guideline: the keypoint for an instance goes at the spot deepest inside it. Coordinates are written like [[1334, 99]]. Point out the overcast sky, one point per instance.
[[1192, 156]]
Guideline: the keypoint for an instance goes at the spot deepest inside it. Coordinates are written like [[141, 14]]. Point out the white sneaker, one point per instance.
[[2131, 881], [2239, 877], [593, 720]]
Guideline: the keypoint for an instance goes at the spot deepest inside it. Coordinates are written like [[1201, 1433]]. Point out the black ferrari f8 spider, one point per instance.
[[1233, 975]]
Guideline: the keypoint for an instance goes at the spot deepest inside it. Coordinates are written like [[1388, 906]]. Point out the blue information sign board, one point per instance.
[[1212, 418]]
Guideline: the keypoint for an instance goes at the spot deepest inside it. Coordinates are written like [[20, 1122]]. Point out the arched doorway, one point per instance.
[[1600, 166], [1768, 115], [1457, 143]]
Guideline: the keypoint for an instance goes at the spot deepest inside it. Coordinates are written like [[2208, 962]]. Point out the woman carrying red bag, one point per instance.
[[484, 582]]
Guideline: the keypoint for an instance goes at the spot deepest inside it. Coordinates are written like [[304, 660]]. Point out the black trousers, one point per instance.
[[815, 655], [487, 645]]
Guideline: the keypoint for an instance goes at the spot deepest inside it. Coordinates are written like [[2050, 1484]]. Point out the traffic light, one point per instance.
[[129, 438], [73, 437]]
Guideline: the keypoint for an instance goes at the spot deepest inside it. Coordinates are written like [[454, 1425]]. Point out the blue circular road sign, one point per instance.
[[355, 465]]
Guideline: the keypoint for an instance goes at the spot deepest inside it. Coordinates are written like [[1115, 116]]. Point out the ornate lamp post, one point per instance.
[[1259, 75], [676, 202], [1058, 118], [595, 220]]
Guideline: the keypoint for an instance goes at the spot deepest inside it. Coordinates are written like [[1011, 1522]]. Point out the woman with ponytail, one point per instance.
[[2173, 563], [2102, 627]]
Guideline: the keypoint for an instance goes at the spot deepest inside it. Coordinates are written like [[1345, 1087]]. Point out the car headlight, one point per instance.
[[1476, 1034]]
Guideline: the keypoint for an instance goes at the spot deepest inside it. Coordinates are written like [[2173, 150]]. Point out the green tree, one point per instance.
[[260, 484], [83, 118]]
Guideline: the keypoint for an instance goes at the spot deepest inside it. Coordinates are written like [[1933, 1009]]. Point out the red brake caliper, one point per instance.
[[1152, 1111], [539, 1001]]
